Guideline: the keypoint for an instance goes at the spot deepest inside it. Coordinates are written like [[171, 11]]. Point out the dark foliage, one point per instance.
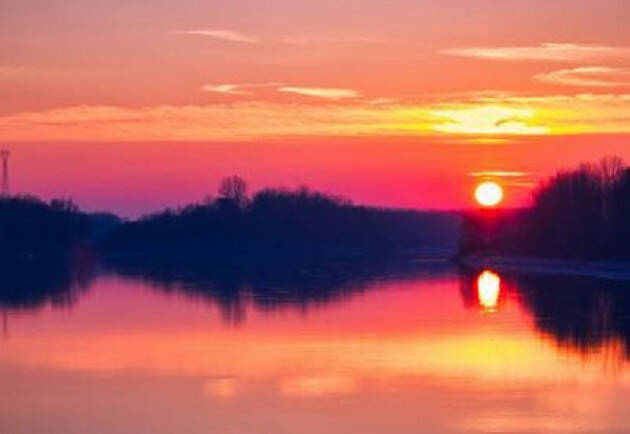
[[34, 231], [580, 214], [46, 251], [280, 224]]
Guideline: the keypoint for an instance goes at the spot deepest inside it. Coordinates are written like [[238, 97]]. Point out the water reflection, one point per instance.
[[578, 312], [295, 286], [377, 336], [30, 287], [488, 289]]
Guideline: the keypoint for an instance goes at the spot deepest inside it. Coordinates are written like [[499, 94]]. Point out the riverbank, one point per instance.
[[600, 269]]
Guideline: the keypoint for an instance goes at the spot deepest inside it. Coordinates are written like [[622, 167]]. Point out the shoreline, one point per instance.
[[609, 270]]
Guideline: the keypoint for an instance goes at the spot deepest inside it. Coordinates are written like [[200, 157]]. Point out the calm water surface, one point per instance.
[[423, 349]]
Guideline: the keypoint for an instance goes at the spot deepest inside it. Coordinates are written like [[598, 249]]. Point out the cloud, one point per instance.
[[311, 40], [235, 89], [321, 92], [508, 178], [549, 51], [478, 119], [228, 89], [318, 92], [224, 122], [488, 119], [237, 36], [499, 174], [383, 101], [588, 76], [224, 35]]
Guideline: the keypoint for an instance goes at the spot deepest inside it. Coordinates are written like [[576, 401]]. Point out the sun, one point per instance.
[[489, 194]]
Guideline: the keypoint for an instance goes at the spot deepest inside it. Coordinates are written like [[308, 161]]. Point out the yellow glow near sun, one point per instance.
[[488, 119], [489, 194], [488, 289]]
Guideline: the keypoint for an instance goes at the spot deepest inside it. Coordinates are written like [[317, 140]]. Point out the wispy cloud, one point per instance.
[[549, 52], [383, 101], [225, 122], [237, 36], [321, 92], [484, 117], [310, 40], [511, 178], [488, 119], [317, 92], [236, 89], [588, 76], [224, 35], [228, 89], [500, 174]]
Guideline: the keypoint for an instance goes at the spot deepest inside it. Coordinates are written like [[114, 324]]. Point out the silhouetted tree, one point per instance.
[[64, 205], [234, 188]]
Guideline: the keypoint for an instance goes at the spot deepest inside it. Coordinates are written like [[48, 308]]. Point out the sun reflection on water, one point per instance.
[[488, 290]]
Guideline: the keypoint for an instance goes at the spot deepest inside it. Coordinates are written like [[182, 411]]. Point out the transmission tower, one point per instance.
[[4, 155]]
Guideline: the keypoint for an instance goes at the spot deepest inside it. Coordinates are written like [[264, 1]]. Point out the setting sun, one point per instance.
[[488, 194]]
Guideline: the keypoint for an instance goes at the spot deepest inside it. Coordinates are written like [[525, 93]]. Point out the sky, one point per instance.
[[134, 106]]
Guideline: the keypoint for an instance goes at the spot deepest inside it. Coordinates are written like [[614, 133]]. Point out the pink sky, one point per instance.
[[132, 106]]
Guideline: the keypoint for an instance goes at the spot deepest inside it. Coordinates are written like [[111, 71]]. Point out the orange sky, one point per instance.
[[399, 103]]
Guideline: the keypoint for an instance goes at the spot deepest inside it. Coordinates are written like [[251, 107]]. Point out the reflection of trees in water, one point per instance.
[[290, 286], [578, 312], [31, 286], [581, 312]]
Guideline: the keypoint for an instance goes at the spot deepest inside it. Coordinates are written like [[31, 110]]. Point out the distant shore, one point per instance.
[[601, 269]]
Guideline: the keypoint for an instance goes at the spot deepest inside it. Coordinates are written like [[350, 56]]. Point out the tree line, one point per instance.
[[34, 230], [582, 213], [278, 221]]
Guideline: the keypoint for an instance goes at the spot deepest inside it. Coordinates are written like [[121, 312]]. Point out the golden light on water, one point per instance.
[[488, 290], [488, 194]]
